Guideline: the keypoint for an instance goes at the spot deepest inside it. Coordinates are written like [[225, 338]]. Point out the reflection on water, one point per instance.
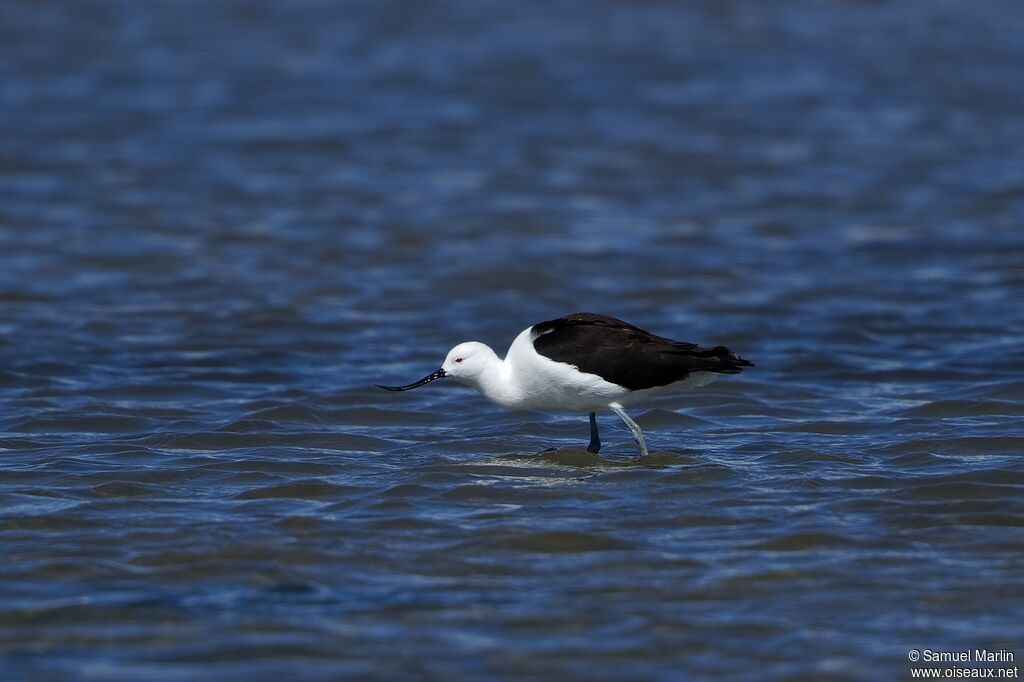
[[222, 223]]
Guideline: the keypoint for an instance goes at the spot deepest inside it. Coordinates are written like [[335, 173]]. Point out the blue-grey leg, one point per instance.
[[595, 439], [638, 435]]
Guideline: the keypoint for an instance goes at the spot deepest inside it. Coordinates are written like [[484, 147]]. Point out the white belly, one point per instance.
[[695, 380]]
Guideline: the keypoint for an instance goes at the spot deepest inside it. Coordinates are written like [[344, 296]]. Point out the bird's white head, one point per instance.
[[467, 362]]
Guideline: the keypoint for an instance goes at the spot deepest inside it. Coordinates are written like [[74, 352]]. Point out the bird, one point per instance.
[[585, 363]]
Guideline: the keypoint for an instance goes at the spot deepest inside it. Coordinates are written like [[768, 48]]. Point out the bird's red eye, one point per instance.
[[458, 360]]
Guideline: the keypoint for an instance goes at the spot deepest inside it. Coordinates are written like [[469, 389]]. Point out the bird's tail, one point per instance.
[[721, 360]]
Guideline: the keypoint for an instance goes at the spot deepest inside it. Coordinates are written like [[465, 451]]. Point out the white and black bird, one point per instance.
[[584, 362]]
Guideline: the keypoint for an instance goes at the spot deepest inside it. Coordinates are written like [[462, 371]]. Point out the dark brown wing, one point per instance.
[[626, 355]]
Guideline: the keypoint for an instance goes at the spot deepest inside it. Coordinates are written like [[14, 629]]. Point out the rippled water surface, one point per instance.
[[222, 223]]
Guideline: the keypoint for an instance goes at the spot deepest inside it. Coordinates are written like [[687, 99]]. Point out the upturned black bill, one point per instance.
[[439, 374]]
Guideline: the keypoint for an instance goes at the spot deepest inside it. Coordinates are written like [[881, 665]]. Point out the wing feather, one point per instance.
[[625, 354]]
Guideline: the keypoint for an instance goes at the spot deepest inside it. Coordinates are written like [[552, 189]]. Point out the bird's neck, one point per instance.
[[494, 382]]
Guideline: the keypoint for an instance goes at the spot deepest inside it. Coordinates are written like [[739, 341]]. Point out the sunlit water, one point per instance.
[[221, 223]]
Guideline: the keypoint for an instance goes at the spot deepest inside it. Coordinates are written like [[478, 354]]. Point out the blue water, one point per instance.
[[222, 223]]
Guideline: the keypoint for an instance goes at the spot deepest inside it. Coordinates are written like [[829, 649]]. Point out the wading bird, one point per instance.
[[584, 362]]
